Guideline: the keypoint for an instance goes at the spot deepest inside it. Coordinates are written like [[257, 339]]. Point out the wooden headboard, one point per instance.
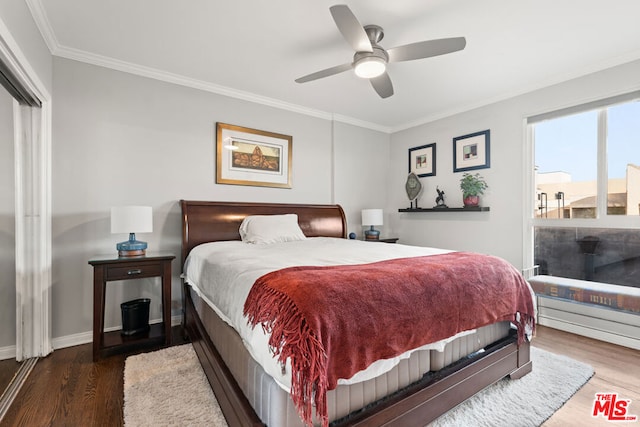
[[204, 222]]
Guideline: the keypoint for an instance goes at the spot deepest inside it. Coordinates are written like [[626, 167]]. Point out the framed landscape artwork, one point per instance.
[[471, 151], [422, 160], [253, 157]]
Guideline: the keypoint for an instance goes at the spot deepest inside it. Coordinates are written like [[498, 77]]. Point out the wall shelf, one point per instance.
[[445, 210]]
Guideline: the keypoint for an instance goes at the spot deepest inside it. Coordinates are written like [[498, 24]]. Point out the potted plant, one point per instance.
[[472, 187]]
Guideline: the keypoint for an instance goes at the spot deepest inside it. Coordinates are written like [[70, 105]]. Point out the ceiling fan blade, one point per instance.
[[382, 84], [426, 49], [325, 73], [350, 27]]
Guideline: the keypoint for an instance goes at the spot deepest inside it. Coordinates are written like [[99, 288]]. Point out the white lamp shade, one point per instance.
[[372, 217], [131, 219]]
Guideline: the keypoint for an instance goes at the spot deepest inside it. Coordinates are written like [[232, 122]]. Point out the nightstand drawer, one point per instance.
[[133, 271]]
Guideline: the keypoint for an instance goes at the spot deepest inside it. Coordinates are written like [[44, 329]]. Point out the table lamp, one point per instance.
[[132, 220], [372, 217]]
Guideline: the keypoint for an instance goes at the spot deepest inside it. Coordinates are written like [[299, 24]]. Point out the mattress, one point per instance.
[[222, 273], [272, 403]]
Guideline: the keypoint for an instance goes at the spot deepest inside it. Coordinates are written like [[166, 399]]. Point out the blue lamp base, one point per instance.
[[131, 247], [372, 234]]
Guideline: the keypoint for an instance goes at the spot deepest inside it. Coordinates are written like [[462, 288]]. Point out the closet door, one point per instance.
[[31, 161], [7, 239]]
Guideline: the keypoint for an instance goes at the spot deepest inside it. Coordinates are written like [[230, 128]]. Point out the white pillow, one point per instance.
[[262, 229]]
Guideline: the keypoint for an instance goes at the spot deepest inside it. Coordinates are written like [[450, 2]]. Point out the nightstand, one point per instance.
[[387, 240], [109, 268]]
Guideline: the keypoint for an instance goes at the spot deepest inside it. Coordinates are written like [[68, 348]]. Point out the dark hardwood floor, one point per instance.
[[8, 369], [68, 389]]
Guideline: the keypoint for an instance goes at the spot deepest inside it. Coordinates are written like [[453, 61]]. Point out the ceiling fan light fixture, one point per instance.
[[369, 67]]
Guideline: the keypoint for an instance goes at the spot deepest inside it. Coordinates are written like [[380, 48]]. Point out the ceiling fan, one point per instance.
[[370, 60]]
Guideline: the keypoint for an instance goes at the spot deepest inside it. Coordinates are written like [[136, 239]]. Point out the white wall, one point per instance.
[[122, 139], [7, 224], [361, 168], [500, 231]]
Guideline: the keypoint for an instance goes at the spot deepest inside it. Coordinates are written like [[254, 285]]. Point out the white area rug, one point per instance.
[[168, 387], [528, 401]]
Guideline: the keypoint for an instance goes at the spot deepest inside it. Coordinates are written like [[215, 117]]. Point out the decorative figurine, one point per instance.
[[413, 188], [440, 200]]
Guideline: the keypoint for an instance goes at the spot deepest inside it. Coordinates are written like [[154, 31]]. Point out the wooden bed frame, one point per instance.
[[416, 405]]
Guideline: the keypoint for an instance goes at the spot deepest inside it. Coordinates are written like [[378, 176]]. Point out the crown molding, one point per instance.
[[43, 24], [361, 123], [56, 49], [153, 73]]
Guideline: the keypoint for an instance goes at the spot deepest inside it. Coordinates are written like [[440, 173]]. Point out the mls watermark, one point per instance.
[[612, 408]]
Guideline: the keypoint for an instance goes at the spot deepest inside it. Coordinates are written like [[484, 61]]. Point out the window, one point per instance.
[[573, 151], [585, 192]]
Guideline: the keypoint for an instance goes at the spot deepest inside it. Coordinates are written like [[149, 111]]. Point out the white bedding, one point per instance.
[[222, 273]]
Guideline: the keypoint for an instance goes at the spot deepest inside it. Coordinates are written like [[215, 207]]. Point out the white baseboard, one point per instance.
[[590, 333], [87, 337], [8, 352], [591, 321]]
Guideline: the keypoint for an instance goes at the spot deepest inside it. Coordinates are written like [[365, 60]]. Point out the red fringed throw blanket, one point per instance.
[[335, 321]]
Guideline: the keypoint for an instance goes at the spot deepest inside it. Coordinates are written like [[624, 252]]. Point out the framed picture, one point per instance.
[[422, 160], [252, 157], [471, 151]]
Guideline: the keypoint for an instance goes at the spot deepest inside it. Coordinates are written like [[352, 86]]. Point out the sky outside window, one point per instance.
[[569, 145], [623, 141]]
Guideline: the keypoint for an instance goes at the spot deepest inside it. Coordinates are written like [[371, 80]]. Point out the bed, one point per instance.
[[420, 387]]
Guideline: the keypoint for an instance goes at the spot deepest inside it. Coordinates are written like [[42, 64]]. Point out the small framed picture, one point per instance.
[[254, 157], [422, 160], [471, 151]]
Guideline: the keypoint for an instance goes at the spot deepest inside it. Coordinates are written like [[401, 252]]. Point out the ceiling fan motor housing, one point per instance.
[[378, 52], [374, 33]]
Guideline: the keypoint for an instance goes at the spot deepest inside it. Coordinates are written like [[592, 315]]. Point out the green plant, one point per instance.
[[472, 185]]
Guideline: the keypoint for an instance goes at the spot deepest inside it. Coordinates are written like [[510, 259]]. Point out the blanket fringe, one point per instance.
[[291, 338], [526, 327]]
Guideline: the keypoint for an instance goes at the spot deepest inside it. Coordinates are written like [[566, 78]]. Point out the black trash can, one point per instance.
[[135, 316]]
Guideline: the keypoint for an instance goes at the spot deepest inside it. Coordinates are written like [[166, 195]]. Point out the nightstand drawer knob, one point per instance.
[[132, 272]]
